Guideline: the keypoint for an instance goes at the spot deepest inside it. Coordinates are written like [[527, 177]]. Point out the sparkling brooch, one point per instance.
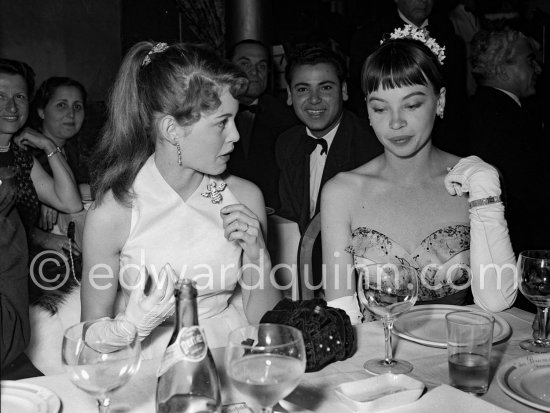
[[213, 192]]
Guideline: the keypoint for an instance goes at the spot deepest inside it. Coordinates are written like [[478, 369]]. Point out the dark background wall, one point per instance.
[[80, 39]]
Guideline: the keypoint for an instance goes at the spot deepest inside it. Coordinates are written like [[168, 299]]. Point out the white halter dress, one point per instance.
[[189, 236]]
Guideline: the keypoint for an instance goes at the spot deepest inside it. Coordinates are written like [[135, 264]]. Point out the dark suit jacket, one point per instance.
[[353, 145], [256, 162], [508, 137]]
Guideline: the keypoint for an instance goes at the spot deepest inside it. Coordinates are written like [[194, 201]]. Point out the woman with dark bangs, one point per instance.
[[164, 207], [399, 208]]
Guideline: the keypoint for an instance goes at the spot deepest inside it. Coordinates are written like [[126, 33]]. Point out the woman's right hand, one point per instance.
[[30, 138], [48, 218], [146, 312], [55, 242]]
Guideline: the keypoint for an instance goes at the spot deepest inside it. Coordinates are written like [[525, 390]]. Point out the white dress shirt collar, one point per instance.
[[424, 23]]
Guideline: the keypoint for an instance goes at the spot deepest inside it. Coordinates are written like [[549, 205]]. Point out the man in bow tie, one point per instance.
[[331, 139], [260, 120]]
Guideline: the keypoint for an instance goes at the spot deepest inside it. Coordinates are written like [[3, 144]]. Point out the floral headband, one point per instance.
[[158, 48], [422, 35]]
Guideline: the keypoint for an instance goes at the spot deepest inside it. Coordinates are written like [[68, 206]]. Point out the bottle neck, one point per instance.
[[186, 310]]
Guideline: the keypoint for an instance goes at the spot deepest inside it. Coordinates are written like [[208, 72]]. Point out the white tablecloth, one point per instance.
[[316, 389]]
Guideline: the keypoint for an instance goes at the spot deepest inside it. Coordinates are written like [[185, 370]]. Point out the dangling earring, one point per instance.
[[178, 148], [440, 114]]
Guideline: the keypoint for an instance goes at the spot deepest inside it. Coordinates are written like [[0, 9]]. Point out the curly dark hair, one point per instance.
[[312, 54]]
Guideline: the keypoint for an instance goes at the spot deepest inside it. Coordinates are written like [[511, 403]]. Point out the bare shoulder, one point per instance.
[[448, 160], [110, 217], [244, 190], [347, 185]]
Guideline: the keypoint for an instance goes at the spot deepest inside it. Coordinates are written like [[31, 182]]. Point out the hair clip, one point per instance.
[[158, 48], [422, 35]]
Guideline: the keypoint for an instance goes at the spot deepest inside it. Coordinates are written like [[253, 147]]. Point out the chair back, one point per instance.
[[305, 261]]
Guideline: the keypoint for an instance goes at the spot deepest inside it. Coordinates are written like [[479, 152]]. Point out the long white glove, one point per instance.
[[350, 305], [492, 259], [146, 312]]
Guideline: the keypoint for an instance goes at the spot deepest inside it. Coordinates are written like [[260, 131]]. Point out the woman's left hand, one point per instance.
[[473, 176], [242, 225], [30, 138]]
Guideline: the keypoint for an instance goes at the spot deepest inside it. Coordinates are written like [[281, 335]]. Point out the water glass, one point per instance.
[[265, 363], [101, 356], [469, 342]]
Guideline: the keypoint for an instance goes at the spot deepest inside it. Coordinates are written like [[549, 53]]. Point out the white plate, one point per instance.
[[426, 325], [526, 379], [380, 392], [20, 397]]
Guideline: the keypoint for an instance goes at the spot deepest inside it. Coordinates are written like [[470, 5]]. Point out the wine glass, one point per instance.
[[101, 356], [387, 290], [534, 283], [265, 363]]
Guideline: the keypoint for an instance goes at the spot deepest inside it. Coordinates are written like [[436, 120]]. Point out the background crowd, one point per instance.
[[288, 140]]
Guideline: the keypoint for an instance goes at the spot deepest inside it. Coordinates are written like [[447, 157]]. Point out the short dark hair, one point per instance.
[[45, 92], [15, 67], [401, 62], [313, 54], [233, 49]]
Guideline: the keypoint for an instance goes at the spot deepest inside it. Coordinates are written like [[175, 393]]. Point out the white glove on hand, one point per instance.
[[474, 176], [146, 312], [350, 305], [108, 337]]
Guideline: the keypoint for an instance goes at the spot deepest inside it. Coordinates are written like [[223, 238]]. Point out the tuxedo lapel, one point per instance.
[[339, 157]]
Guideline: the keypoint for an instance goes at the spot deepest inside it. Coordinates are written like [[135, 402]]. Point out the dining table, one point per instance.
[[316, 391]]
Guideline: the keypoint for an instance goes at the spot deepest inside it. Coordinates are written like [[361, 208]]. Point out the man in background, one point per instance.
[[502, 132], [330, 139], [260, 120]]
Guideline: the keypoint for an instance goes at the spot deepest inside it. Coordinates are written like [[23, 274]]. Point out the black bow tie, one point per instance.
[[248, 108], [312, 143]]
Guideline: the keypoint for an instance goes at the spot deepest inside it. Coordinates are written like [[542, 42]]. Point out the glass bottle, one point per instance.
[[187, 377]]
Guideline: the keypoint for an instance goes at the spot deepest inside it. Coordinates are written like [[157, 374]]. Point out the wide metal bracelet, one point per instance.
[[485, 201]]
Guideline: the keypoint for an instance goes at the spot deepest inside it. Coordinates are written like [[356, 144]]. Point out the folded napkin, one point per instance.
[[447, 399]]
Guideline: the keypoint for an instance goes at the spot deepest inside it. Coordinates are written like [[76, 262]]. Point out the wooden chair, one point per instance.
[[305, 252]]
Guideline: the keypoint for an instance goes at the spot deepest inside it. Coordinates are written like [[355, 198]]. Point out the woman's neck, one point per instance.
[[413, 170], [184, 181], [5, 139]]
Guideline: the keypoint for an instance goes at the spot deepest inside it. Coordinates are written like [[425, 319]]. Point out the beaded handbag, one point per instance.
[[328, 334]]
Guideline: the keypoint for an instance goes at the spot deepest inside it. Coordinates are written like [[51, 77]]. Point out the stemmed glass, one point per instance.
[[265, 363], [388, 290], [534, 283], [101, 356]]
